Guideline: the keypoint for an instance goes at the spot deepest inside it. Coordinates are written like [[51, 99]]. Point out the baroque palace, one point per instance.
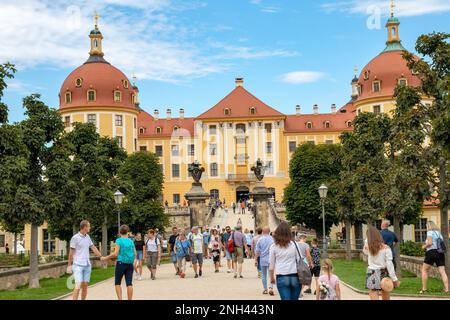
[[228, 138]]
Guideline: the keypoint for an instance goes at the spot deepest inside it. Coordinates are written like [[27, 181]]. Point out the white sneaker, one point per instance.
[[139, 278]]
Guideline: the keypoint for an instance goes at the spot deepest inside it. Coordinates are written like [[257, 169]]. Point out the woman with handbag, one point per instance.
[[435, 255], [283, 261], [381, 277], [182, 251]]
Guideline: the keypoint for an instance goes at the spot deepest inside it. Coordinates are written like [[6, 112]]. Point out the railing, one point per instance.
[[242, 177]]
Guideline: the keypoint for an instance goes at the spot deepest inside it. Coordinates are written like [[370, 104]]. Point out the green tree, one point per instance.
[[312, 165], [435, 83], [142, 181]]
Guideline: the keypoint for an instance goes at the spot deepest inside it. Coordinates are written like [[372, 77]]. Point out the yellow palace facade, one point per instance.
[[228, 138]]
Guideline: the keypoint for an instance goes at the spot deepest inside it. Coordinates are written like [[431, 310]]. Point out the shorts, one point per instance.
[[139, 255], [238, 255], [315, 271], [216, 255], [152, 259], [81, 273], [123, 269], [228, 255], [433, 257], [374, 277], [173, 255], [197, 258]]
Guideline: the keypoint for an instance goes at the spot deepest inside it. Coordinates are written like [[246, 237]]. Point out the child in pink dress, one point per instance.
[[328, 283]]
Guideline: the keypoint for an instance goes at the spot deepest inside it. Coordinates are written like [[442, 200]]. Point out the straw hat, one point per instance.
[[387, 284]]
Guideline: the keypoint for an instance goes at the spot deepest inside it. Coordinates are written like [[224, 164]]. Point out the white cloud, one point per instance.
[[402, 7], [143, 37], [299, 77], [242, 52], [270, 9]]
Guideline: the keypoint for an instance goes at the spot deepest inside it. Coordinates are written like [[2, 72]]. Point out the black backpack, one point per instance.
[[440, 244]]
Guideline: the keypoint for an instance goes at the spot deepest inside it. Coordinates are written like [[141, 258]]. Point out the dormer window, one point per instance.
[[403, 82], [366, 75], [158, 130], [125, 84], [226, 111], [349, 124], [78, 82], [309, 125], [68, 97], [252, 110], [359, 89], [91, 95], [117, 96], [327, 124], [376, 86], [175, 129], [141, 130]]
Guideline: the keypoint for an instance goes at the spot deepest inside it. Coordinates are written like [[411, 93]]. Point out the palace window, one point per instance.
[[226, 111], [92, 118], [212, 149], [67, 121], [117, 96], [141, 130], [68, 97], [328, 141], [377, 109], [142, 148], [78, 82], [48, 242], [175, 170], [359, 90], [125, 84], [269, 167], [120, 141], [327, 124], [176, 198], [119, 119], [213, 129], [366, 75], [159, 151], [214, 171], [214, 193], [91, 95], [252, 110], [175, 150], [309, 125], [349, 124], [158, 130], [403, 82], [134, 123], [240, 128], [175, 129], [420, 230], [311, 142], [268, 147], [268, 127], [191, 149], [292, 146], [376, 86]]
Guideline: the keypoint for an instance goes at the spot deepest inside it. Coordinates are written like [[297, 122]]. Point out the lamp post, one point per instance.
[[323, 189], [118, 198]]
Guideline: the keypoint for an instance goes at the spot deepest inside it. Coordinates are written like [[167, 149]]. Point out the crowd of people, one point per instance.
[[278, 258]]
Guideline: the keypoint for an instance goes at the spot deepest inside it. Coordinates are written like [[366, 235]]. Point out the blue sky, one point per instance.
[[186, 54]]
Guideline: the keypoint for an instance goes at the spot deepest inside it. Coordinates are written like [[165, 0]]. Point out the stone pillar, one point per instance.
[[197, 204], [261, 196]]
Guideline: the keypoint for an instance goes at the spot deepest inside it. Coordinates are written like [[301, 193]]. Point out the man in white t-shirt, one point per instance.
[[79, 262], [152, 252], [197, 251]]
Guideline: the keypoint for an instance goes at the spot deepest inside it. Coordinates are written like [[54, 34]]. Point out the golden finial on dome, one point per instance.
[[392, 8], [355, 70], [96, 18]]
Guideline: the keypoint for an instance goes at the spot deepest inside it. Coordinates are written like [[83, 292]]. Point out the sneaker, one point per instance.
[[307, 291], [140, 278], [229, 271], [200, 273], [153, 278], [235, 276], [217, 271], [240, 276], [196, 276]]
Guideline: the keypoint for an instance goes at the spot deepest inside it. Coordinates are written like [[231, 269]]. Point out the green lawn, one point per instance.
[[354, 273], [52, 288]]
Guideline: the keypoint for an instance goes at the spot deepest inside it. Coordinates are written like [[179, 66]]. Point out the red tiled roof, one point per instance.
[[388, 67], [338, 122], [146, 121], [239, 101]]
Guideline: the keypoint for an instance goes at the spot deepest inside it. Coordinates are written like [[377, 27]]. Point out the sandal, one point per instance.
[[271, 292], [423, 291], [265, 292]]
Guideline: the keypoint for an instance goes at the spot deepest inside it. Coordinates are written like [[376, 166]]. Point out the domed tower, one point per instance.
[[99, 93], [374, 89]]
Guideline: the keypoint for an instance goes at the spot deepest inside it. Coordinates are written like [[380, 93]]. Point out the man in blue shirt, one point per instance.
[[262, 250], [389, 238]]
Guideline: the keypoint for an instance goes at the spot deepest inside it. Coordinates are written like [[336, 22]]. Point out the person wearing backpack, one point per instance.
[[153, 252], [227, 254], [435, 255], [126, 254], [182, 251], [328, 287]]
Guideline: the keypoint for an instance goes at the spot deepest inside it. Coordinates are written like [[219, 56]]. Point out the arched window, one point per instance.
[[309, 125], [117, 96], [327, 124], [68, 97], [349, 124], [240, 128], [366, 75], [226, 111], [78, 82], [125, 84], [403, 82], [91, 95], [175, 129], [141, 130], [252, 110], [158, 130], [95, 43]]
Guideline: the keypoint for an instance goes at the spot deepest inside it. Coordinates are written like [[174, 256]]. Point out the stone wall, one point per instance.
[[16, 277], [178, 217], [414, 265], [341, 254]]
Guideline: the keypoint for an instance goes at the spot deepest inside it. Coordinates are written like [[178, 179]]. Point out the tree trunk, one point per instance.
[[397, 231], [443, 207], [400, 236], [15, 243], [34, 263], [359, 238], [348, 242], [105, 237]]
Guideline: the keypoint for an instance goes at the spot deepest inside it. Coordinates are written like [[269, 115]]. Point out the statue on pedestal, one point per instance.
[[196, 170], [259, 169]]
